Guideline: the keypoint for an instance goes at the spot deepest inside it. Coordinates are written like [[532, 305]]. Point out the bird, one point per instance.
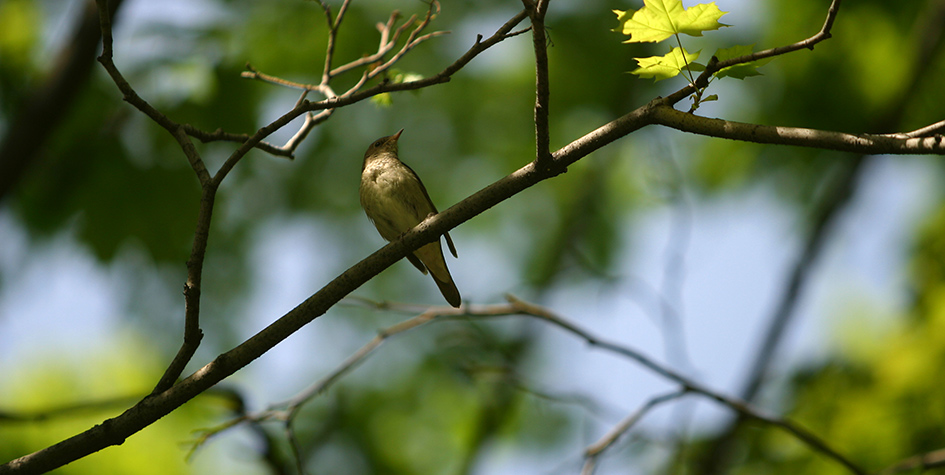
[[395, 200]]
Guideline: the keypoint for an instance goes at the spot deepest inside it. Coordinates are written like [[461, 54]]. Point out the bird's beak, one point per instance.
[[397, 135]]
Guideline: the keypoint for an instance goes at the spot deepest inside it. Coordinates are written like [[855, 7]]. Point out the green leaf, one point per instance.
[[382, 100], [667, 66], [394, 76], [739, 71], [660, 19]]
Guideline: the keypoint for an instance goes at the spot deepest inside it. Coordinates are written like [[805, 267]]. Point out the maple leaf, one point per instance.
[[660, 19], [739, 71], [667, 66]]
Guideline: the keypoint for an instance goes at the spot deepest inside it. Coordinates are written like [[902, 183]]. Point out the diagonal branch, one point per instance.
[[839, 193], [516, 306], [715, 65], [114, 431], [920, 463], [593, 451]]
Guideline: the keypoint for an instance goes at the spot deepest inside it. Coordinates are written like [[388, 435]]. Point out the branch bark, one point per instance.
[[868, 144]]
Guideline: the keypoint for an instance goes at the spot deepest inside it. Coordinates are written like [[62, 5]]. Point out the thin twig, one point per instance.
[[920, 463], [687, 384], [332, 37], [519, 307], [593, 451], [536, 12], [219, 135], [715, 65], [927, 131], [192, 333]]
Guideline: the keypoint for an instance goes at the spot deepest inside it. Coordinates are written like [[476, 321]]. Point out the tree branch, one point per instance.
[[192, 332], [536, 12], [837, 196], [593, 451], [868, 144], [519, 307], [114, 431], [920, 463], [389, 38]]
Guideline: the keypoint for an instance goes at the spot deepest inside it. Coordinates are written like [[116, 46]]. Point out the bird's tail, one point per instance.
[[432, 257], [449, 290]]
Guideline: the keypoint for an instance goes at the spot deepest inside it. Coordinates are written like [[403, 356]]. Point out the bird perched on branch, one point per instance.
[[395, 200]]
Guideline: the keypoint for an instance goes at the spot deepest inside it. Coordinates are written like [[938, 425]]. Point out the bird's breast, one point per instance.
[[392, 197]]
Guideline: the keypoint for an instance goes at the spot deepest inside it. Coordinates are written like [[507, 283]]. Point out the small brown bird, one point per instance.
[[395, 200]]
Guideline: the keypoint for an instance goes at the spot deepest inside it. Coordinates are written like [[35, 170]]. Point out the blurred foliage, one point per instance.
[[120, 182], [20, 30], [123, 372], [877, 400], [433, 416]]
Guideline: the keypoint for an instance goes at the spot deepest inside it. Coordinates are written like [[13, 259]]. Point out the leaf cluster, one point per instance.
[[660, 20]]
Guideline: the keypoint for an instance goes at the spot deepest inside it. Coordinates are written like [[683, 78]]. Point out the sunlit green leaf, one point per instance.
[[668, 65], [660, 19]]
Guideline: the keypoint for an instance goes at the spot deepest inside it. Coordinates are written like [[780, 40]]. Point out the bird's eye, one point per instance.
[[378, 143]]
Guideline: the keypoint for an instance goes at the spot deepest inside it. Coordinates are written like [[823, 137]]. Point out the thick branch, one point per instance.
[[115, 430]]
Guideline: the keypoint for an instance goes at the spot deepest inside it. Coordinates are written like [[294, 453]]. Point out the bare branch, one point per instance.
[[519, 307], [192, 332], [219, 135], [359, 356], [918, 463], [115, 430], [715, 65], [687, 384], [536, 12], [807, 43], [594, 450], [927, 131], [132, 97], [869, 144], [252, 73], [411, 41], [332, 37]]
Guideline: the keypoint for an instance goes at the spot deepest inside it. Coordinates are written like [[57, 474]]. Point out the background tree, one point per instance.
[[462, 394]]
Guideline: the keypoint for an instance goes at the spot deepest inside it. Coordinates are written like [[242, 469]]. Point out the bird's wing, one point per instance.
[[449, 240]]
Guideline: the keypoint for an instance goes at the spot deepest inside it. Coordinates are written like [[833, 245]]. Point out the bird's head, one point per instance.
[[383, 146]]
